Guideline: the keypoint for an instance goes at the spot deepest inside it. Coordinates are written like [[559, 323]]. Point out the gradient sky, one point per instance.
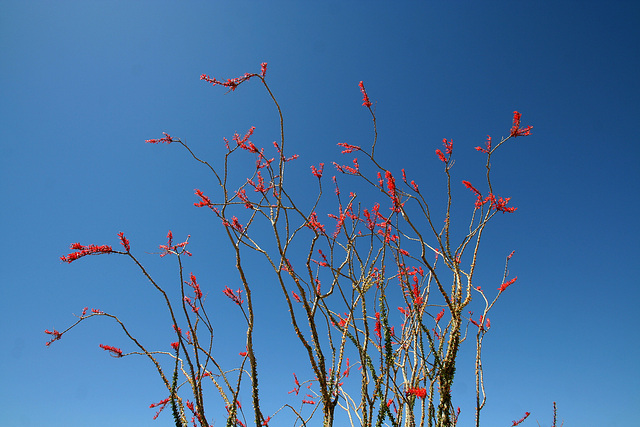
[[83, 84]]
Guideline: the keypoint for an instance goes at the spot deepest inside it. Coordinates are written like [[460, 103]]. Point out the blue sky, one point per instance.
[[83, 85]]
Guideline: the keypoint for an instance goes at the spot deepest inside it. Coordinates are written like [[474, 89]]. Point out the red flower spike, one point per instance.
[[348, 148], [166, 139], [439, 316], [448, 146], [296, 389], [317, 172], [441, 155], [377, 328], [170, 248], [488, 149], [510, 255], [56, 336], [515, 129], [234, 297], [195, 286], [526, 415], [313, 223], [175, 345], [115, 352], [419, 392], [162, 404], [85, 250], [365, 97], [472, 188], [205, 201], [391, 186], [124, 242], [507, 284], [296, 296], [232, 84], [235, 224], [500, 204]]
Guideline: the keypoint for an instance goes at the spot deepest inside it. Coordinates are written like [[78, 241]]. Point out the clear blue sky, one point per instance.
[[83, 84]]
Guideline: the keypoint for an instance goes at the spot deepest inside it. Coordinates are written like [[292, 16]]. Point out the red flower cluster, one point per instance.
[[124, 242], [391, 186], [170, 248], [162, 404], [526, 415], [317, 172], [515, 129], [497, 203], [448, 148], [419, 392], [232, 84], [56, 336], [86, 250], [115, 352], [488, 149], [348, 148], [505, 285], [234, 297], [167, 138], [365, 97], [313, 223]]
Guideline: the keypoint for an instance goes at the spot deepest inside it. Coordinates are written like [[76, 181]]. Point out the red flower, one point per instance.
[[515, 423], [195, 286], [235, 224], [313, 223], [439, 316], [488, 149], [391, 185], [472, 188], [234, 297], [365, 97], [448, 146], [124, 241], [500, 204], [296, 389], [167, 138], [115, 352], [419, 392], [515, 129], [56, 336], [348, 148], [162, 404], [170, 248], [317, 172], [175, 345], [232, 84], [205, 201], [507, 284], [85, 250], [296, 296]]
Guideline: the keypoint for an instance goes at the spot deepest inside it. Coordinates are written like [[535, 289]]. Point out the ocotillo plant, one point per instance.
[[377, 250]]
